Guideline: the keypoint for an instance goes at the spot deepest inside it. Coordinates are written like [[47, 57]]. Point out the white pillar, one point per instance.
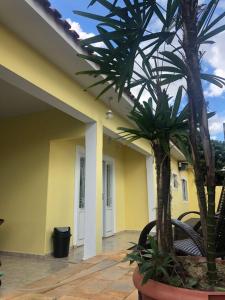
[[151, 188], [93, 190]]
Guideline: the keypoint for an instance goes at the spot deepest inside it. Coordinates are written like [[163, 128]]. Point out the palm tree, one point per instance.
[[160, 126], [129, 35]]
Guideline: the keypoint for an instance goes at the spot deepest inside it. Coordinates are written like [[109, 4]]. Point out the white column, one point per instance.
[[93, 190], [151, 188]]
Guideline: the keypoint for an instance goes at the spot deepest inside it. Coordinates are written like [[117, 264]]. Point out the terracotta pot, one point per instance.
[[154, 290]]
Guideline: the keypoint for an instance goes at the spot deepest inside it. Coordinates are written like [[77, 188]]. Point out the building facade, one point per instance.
[[62, 163]]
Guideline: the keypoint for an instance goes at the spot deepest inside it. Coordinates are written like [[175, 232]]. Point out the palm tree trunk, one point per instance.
[[198, 110], [164, 227], [166, 175], [199, 177]]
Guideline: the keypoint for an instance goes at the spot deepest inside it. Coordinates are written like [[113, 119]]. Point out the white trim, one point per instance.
[[42, 95], [176, 152], [79, 152], [112, 162], [150, 187], [91, 204]]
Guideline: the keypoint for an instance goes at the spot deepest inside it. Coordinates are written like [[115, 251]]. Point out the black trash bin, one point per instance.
[[61, 241]]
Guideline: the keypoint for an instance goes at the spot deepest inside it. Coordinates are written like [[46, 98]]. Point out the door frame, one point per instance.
[[79, 152], [110, 160]]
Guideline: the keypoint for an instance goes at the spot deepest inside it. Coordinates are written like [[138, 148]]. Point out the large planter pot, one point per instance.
[[154, 290]]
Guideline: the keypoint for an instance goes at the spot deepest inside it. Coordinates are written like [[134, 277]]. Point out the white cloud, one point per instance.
[[221, 5], [215, 58], [76, 27], [145, 95], [213, 90], [216, 124], [83, 34]]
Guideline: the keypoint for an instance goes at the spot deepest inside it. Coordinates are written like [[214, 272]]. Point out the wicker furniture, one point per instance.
[[192, 243]]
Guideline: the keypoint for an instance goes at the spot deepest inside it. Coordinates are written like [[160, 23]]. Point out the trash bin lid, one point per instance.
[[62, 229]]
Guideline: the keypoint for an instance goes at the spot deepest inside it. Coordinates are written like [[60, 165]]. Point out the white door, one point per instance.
[[81, 204], [108, 216]]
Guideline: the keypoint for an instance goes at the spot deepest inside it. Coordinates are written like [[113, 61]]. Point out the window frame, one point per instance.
[[175, 179], [184, 189]]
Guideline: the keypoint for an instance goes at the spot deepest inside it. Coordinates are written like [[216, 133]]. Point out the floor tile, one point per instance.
[[34, 297], [133, 296], [104, 277]]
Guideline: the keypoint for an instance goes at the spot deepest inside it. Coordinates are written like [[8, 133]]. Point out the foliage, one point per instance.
[[125, 32], [219, 149], [163, 123], [153, 264], [166, 122]]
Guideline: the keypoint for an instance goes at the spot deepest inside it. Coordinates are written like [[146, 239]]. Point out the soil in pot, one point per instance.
[[196, 267]]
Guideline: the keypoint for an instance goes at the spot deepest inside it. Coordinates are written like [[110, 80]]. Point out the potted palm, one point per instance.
[[147, 47]]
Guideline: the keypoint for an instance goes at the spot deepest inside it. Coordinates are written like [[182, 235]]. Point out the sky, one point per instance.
[[214, 59]]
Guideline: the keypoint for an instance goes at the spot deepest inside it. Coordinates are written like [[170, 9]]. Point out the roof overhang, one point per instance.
[[37, 28], [176, 153]]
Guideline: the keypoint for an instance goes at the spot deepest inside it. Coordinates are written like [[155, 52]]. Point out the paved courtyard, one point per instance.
[[102, 277]]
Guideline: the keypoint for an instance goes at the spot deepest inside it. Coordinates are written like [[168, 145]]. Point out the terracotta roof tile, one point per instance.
[[56, 15]]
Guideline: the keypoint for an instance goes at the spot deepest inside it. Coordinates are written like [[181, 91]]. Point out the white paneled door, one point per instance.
[[108, 215], [107, 198]]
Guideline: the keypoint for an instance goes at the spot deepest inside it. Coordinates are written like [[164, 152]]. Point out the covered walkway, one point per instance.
[[102, 277]]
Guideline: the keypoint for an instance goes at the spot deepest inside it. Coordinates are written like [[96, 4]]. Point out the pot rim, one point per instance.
[[159, 290]]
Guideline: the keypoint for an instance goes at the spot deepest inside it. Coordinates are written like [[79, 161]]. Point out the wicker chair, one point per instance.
[[191, 221], [192, 244]]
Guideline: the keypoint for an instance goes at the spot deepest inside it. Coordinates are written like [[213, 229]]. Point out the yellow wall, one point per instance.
[[61, 185], [136, 204], [218, 192], [194, 204], [24, 156], [23, 185], [178, 204], [16, 55]]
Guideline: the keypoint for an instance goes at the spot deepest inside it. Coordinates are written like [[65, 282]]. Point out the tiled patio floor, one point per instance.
[[102, 277]]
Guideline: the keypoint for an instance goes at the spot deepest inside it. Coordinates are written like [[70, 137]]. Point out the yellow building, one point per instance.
[[61, 161]]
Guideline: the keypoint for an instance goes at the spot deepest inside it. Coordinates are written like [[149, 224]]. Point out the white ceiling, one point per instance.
[[14, 102]]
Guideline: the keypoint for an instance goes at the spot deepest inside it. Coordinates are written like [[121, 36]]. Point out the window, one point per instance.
[[82, 183], [174, 181], [107, 184], [184, 189]]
